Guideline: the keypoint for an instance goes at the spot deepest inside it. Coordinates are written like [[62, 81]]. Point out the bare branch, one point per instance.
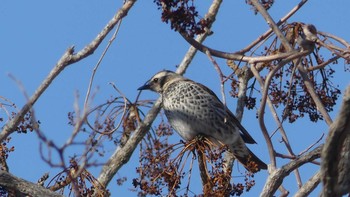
[[309, 186], [236, 56], [335, 165], [324, 64], [340, 40], [221, 76], [22, 187], [276, 177], [99, 62]]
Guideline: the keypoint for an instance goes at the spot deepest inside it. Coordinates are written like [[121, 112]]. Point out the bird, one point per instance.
[[192, 109]]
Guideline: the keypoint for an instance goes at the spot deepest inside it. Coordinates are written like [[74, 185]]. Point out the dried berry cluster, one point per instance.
[[219, 183], [287, 87], [26, 123], [250, 101], [4, 153], [115, 120], [167, 169], [83, 183], [156, 171], [105, 116], [182, 16], [293, 95], [4, 149], [295, 98]]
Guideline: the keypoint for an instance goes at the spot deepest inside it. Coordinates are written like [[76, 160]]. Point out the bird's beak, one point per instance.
[[145, 87]]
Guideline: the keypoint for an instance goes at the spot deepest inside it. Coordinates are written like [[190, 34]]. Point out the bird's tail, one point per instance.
[[250, 161]]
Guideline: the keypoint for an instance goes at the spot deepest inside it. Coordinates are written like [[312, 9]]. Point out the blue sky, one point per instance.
[[34, 35]]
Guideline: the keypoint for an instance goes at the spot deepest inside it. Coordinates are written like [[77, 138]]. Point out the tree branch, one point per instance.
[[22, 187], [236, 56], [276, 177], [309, 186], [335, 166]]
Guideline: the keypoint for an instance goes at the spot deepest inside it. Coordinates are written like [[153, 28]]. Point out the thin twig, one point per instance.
[[221, 76], [312, 145], [99, 63], [268, 32]]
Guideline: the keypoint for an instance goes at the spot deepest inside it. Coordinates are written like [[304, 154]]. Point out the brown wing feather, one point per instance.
[[244, 133], [250, 161]]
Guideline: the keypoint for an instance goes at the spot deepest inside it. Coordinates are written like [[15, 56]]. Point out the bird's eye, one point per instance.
[[155, 80]]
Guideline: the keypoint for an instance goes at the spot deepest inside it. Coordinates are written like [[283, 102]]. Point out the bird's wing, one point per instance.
[[244, 133], [231, 117]]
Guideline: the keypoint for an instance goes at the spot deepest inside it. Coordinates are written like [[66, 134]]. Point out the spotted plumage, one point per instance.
[[193, 109]]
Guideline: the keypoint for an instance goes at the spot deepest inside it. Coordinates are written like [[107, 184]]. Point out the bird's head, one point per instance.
[[160, 80]]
